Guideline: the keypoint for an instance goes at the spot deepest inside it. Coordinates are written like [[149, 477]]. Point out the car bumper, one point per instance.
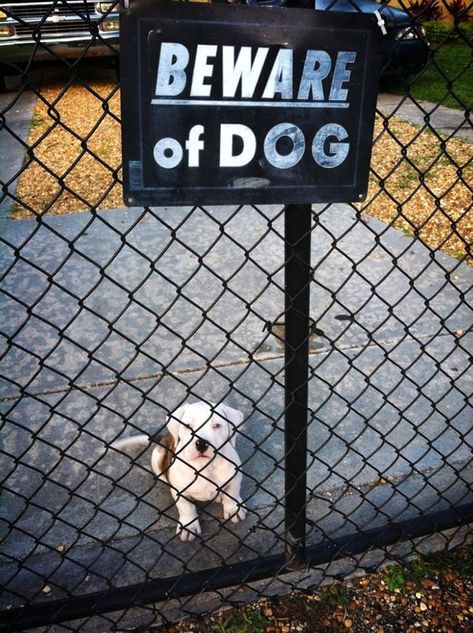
[[19, 52], [405, 57]]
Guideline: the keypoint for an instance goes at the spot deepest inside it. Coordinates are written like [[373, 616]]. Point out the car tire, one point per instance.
[[3, 85]]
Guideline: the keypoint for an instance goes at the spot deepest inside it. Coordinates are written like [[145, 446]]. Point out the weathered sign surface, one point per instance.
[[230, 104]]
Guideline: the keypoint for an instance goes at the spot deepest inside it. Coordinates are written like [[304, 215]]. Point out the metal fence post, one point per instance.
[[297, 302]]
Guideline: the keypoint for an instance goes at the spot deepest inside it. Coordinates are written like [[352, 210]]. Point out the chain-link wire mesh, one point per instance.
[[115, 321]]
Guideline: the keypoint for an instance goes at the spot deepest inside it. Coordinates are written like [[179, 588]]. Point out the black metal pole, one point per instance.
[[297, 219]]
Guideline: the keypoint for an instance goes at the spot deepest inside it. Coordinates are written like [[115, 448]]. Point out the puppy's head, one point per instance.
[[200, 430]]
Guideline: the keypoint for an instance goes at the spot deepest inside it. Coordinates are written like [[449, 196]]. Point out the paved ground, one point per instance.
[[445, 121], [18, 108]]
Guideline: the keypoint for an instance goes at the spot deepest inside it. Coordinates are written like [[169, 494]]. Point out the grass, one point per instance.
[[336, 596], [460, 560], [37, 121], [451, 62], [429, 566], [395, 577], [242, 621]]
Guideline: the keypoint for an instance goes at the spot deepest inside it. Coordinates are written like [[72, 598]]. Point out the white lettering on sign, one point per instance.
[[168, 152], [317, 66], [215, 75], [341, 75], [241, 70], [280, 77], [171, 79], [227, 133], [195, 144], [245, 71], [338, 151], [202, 70], [298, 145]]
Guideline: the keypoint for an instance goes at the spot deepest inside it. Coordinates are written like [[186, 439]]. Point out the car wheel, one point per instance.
[[3, 85]]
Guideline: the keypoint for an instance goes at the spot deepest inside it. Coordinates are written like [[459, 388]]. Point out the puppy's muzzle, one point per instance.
[[201, 445]]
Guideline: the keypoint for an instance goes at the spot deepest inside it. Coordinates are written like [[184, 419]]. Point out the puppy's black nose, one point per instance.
[[201, 445]]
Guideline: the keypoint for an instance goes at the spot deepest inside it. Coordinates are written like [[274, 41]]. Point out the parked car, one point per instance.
[[41, 30], [38, 31], [406, 48]]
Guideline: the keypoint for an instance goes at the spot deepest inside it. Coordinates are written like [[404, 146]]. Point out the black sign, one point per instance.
[[226, 104]]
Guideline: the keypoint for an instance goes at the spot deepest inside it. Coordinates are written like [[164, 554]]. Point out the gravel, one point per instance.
[[420, 598]]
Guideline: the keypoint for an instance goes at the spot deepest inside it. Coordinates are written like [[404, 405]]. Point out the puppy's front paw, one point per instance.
[[234, 511], [188, 531]]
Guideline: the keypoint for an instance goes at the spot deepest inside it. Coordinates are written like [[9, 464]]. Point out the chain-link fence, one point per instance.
[[115, 323]]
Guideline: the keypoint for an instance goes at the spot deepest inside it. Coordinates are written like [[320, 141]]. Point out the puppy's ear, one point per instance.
[[235, 418], [174, 422]]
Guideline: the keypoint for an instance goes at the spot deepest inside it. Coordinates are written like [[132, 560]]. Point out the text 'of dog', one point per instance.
[[243, 77]]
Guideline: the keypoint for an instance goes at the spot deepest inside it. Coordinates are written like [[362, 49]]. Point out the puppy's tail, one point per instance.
[[131, 442]]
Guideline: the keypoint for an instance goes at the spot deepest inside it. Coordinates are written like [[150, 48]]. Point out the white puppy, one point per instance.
[[197, 458]]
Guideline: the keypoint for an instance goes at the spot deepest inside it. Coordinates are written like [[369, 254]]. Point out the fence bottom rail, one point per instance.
[[139, 595]]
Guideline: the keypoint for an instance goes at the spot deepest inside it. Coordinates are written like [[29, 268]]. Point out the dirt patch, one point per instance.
[[419, 183]]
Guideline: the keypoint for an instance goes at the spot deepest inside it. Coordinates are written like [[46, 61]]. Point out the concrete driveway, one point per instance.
[[445, 121]]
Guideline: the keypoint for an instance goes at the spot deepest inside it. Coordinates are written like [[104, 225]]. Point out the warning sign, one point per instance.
[[226, 104]]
